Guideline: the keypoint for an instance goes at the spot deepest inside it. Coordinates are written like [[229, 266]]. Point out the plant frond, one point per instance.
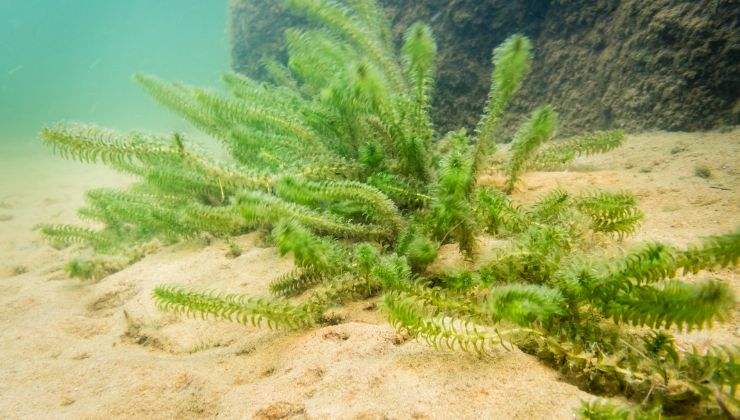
[[715, 252], [181, 100], [90, 144], [534, 257], [655, 261], [606, 410], [611, 212], [279, 74], [366, 257], [340, 20], [373, 17], [64, 235], [340, 290], [683, 305], [651, 263], [719, 365], [150, 214], [273, 97], [524, 304], [401, 191], [558, 154], [498, 214], [452, 216], [511, 63], [219, 221], [419, 54], [407, 316], [551, 207], [539, 128], [376, 206], [296, 282], [419, 250], [263, 209], [312, 253], [232, 113], [317, 57], [394, 274], [230, 307], [92, 269]]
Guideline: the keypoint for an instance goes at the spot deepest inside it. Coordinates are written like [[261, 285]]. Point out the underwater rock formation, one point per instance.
[[633, 64]]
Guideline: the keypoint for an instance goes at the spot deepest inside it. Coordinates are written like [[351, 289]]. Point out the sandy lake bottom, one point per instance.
[[75, 350]]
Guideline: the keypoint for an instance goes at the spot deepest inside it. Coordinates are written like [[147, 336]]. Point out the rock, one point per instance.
[[663, 64]]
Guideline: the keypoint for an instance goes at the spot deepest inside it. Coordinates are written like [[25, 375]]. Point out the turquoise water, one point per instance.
[[72, 60]]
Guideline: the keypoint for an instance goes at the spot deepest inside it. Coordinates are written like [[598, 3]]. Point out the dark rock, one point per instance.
[[633, 64]]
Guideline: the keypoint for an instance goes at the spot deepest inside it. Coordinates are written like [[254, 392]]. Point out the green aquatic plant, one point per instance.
[[560, 153], [605, 410], [90, 269], [703, 171], [234, 249], [337, 158], [539, 128], [18, 270]]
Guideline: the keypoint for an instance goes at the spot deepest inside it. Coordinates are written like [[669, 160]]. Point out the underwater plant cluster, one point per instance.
[[338, 159]]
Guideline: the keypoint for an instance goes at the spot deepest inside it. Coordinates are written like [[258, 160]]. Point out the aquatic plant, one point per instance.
[[703, 171], [234, 249], [605, 410], [337, 157]]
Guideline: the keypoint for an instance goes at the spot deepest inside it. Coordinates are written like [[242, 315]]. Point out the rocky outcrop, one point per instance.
[[633, 64], [638, 64]]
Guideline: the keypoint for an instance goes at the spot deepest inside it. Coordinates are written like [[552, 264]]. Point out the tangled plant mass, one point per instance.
[[337, 157]]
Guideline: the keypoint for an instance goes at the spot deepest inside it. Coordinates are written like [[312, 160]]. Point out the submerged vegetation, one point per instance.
[[337, 157]]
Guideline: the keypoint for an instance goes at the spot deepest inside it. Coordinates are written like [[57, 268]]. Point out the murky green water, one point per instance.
[[72, 60]]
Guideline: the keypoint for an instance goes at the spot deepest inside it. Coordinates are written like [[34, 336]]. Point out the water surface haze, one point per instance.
[[72, 60]]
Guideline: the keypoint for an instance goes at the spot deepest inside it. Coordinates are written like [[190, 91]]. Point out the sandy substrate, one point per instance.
[[99, 350]]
